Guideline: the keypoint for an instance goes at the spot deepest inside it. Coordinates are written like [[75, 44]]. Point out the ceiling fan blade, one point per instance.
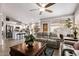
[[48, 5], [49, 10], [34, 9], [40, 13], [38, 4]]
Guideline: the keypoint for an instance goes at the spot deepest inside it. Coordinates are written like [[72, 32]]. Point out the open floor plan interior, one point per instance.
[[39, 29]]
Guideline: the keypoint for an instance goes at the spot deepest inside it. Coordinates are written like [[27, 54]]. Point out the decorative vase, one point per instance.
[[75, 34], [30, 44]]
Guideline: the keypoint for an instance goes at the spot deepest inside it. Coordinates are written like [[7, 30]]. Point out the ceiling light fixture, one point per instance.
[[43, 4], [42, 9]]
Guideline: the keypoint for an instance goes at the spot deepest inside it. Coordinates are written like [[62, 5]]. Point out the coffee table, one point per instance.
[[23, 50]]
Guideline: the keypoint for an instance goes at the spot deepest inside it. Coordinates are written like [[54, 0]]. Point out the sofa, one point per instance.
[[69, 39], [50, 38]]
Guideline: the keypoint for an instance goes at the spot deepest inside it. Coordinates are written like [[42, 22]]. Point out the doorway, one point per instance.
[[45, 27]]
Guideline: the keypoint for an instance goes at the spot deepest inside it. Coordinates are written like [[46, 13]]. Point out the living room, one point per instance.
[[44, 22]]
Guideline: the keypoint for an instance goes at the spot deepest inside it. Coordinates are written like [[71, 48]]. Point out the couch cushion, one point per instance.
[[51, 40], [54, 38], [70, 35], [53, 35], [39, 35], [41, 39]]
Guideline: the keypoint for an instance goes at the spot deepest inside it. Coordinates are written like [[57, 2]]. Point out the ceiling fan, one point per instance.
[[43, 7]]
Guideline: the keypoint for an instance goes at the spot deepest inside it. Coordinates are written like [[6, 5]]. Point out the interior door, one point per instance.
[[45, 27]]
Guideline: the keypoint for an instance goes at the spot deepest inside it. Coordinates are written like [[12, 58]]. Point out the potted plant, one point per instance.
[[68, 23], [29, 39]]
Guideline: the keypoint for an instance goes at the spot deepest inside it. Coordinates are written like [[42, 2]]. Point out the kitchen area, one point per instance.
[[17, 30]]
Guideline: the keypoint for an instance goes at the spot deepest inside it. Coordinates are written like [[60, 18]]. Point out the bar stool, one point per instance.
[[19, 36]]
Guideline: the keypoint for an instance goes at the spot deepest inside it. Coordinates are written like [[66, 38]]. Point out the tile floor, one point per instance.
[[5, 44]]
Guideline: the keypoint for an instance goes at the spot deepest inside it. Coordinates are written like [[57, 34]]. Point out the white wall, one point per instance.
[[77, 15], [55, 20], [0, 29], [1, 18], [4, 26]]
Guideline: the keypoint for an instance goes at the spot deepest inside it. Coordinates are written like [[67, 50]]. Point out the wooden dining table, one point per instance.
[[23, 50]]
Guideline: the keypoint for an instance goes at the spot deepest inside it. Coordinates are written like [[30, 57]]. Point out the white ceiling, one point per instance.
[[20, 11]]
